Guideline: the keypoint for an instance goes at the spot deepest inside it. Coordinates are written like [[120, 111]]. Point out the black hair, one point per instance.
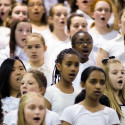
[[74, 7], [60, 57], [104, 100], [73, 40], [5, 72], [89, 70]]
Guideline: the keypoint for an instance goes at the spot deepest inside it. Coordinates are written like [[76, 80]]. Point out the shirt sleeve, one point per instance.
[[67, 115], [114, 117]]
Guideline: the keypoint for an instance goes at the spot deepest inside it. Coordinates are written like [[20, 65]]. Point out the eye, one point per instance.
[[41, 107], [30, 83], [22, 83], [114, 73], [37, 46], [102, 82], [68, 64], [24, 13], [29, 47], [93, 81], [32, 107], [20, 30], [77, 65], [58, 14], [76, 26]]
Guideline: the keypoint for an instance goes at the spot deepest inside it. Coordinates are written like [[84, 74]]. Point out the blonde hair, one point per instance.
[[23, 102], [36, 35], [109, 92], [51, 14]]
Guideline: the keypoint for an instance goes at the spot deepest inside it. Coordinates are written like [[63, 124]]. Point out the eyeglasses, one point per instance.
[[104, 61], [106, 10], [35, 4], [82, 42]]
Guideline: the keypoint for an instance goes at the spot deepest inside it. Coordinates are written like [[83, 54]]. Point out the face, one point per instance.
[[19, 12], [116, 75], [102, 12], [95, 85], [77, 24], [16, 75], [23, 29], [83, 4], [29, 84], [34, 111], [35, 49], [122, 23], [5, 6], [36, 10], [83, 45], [69, 67], [60, 17]]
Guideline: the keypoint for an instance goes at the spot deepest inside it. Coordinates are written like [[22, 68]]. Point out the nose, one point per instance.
[[98, 86], [80, 28], [18, 72], [37, 111], [33, 49]]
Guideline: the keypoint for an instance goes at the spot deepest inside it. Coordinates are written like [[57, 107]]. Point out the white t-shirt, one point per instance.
[[59, 100], [52, 118], [82, 66], [10, 104], [123, 113], [82, 116], [99, 39], [45, 69], [115, 48], [5, 53]]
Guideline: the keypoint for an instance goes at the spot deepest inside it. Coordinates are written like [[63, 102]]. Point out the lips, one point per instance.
[[62, 22], [24, 92], [23, 39], [18, 79], [72, 75], [34, 56], [120, 82], [36, 13], [97, 93]]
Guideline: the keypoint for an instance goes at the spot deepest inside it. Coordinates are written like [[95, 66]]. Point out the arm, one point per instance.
[[65, 123], [101, 54], [47, 104]]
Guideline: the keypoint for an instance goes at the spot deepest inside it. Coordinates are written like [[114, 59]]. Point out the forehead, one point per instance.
[[35, 1], [83, 36], [96, 75], [116, 66], [5, 1], [35, 100], [71, 57], [24, 25], [59, 8], [20, 8], [102, 4], [17, 63], [34, 40], [78, 19]]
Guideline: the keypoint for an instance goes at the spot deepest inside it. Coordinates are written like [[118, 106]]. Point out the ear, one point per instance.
[[45, 48], [68, 32], [119, 24], [42, 90], [82, 84], [92, 15], [58, 65]]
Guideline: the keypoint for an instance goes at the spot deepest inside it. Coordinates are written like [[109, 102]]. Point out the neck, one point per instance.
[[83, 60], [102, 29], [36, 23], [59, 35], [14, 93], [37, 64], [91, 102]]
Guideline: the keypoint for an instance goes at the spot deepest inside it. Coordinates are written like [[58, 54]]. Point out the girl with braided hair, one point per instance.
[[62, 94]]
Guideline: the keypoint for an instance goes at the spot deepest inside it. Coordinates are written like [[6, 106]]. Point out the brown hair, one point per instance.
[[12, 42]]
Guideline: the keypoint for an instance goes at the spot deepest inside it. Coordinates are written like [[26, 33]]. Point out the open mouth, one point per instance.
[[97, 92], [62, 22], [24, 39], [85, 1], [36, 119], [103, 18], [72, 75], [2, 13], [18, 79], [24, 92], [120, 82], [36, 13]]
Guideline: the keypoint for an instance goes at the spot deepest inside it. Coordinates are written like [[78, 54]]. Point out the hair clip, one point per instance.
[[105, 60]]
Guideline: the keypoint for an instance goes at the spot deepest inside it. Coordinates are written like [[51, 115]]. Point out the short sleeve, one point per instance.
[[114, 117], [67, 115], [49, 93]]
